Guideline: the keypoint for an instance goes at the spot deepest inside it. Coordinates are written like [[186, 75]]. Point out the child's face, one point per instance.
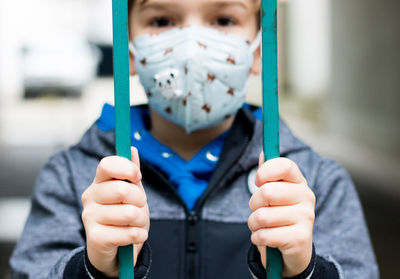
[[235, 16]]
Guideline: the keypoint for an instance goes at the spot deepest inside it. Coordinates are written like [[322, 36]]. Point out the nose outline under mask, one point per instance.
[[253, 45]]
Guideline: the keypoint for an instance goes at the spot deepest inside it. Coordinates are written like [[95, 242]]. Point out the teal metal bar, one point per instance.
[[122, 110], [270, 107]]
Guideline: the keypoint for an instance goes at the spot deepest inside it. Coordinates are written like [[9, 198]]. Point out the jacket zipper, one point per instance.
[[192, 219]]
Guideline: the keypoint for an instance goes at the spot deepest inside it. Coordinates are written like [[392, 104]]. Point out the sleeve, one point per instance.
[[53, 237], [53, 232], [80, 267], [318, 267], [340, 233]]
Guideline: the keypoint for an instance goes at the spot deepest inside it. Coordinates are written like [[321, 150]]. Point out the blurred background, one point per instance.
[[339, 91]]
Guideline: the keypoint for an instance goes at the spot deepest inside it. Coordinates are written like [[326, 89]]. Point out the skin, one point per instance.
[[115, 210]]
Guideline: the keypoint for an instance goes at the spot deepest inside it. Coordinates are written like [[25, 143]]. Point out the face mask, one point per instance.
[[194, 76]]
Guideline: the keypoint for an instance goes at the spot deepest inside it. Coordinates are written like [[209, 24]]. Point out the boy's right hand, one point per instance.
[[115, 212]]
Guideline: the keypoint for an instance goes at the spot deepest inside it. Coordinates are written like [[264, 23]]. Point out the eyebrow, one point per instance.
[[229, 3], [144, 5]]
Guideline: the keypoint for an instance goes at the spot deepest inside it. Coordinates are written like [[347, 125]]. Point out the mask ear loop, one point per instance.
[[132, 49], [256, 42]]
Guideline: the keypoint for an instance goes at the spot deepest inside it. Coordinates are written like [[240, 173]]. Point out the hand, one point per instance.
[[283, 214], [115, 212]]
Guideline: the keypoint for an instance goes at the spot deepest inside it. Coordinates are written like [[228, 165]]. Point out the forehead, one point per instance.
[[222, 2]]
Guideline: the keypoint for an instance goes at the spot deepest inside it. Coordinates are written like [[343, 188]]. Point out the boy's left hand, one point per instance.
[[283, 214]]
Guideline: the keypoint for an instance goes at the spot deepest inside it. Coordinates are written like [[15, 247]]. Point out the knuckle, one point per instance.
[[266, 193], [102, 167], [143, 236], [144, 200], [130, 214], [259, 218], [254, 238], [143, 219], [106, 164], [134, 235], [259, 238], [251, 203], [85, 216], [250, 223], [259, 178], [309, 214], [135, 169], [276, 243], [262, 237], [302, 237], [311, 196], [140, 197], [84, 197], [301, 242], [287, 164], [122, 190], [140, 221]]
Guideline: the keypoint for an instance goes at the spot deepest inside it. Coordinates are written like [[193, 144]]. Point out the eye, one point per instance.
[[161, 22], [224, 21]]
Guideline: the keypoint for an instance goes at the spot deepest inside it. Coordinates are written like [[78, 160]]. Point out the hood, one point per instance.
[[99, 139]]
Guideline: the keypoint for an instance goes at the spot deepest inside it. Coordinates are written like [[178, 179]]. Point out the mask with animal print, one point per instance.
[[194, 76]]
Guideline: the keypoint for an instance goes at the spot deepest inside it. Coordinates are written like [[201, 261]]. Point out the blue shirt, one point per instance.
[[190, 178]]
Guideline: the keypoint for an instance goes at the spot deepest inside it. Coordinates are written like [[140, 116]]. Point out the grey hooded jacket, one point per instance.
[[213, 240]]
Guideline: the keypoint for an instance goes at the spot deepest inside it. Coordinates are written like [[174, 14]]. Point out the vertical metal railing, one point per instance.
[[270, 106], [122, 109]]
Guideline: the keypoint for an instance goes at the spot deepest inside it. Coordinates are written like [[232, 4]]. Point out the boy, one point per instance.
[[199, 156]]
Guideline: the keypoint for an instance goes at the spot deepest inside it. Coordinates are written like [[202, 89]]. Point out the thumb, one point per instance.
[[261, 158], [136, 160], [263, 254], [135, 156]]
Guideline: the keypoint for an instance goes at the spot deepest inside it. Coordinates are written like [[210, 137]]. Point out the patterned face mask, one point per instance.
[[195, 76]]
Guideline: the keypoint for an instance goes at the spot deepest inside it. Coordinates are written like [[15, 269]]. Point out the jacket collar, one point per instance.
[[246, 130]]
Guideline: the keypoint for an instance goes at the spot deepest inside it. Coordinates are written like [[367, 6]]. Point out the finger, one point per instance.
[[283, 238], [276, 194], [263, 255], [116, 167], [111, 236], [272, 237], [121, 215], [117, 192], [135, 156], [261, 159], [279, 169], [270, 217]]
